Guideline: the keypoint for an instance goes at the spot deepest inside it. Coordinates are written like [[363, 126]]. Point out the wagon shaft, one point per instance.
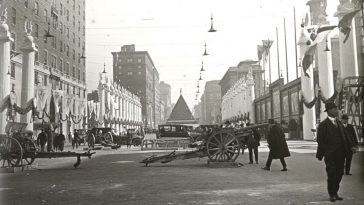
[[65, 154], [174, 156]]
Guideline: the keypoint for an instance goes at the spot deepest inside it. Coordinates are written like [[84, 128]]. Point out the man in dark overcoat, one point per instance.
[[277, 144], [41, 140], [253, 142], [350, 131], [333, 145]]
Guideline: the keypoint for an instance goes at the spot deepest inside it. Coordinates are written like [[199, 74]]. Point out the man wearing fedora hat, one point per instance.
[[333, 145], [350, 131]]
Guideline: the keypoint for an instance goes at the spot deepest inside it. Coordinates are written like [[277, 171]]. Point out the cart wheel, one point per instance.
[[30, 151], [222, 147], [11, 152]]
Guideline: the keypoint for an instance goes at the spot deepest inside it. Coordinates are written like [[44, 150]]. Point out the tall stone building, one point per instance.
[[233, 74], [165, 95], [211, 103], [135, 71], [60, 72]]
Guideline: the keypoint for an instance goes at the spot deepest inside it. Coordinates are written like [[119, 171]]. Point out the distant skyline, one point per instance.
[[174, 33]]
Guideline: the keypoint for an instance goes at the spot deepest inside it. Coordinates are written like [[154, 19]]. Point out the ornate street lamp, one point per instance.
[[48, 33], [83, 56], [327, 46], [212, 25], [200, 77], [104, 69]]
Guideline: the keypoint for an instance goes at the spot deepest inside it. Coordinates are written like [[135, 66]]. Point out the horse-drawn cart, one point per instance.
[[17, 149], [221, 145]]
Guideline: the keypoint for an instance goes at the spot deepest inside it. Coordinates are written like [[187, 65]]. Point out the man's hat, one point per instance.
[[329, 106], [345, 117]]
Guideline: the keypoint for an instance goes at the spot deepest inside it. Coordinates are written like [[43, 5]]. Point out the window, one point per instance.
[[140, 73], [79, 10], [68, 15], [61, 9], [79, 42], [26, 3], [54, 42], [73, 74], [36, 30], [129, 60], [68, 51], [73, 54], [73, 37], [60, 65], [61, 27], [36, 76], [139, 60], [130, 73], [36, 8], [60, 45], [36, 56], [79, 26], [45, 80], [83, 76], [12, 71], [13, 15], [12, 45], [67, 68], [73, 21], [68, 32], [45, 14], [79, 58], [78, 74], [74, 5], [45, 57], [54, 61]]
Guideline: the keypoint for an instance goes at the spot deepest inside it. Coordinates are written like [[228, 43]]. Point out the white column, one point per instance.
[[250, 96], [348, 50], [102, 104], [325, 74], [5, 40], [27, 86], [309, 117]]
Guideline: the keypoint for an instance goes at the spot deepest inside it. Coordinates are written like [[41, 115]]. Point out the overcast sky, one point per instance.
[[174, 33]]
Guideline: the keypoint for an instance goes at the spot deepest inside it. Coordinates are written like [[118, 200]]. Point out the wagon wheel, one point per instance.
[[11, 152], [29, 151], [222, 147], [107, 138]]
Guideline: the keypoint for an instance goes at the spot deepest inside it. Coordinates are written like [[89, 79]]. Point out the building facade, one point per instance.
[[135, 71], [211, 101], [165, 96], [58, 29]]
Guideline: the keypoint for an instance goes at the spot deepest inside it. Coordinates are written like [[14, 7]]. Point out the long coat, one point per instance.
[[330, 138], [277, 143]]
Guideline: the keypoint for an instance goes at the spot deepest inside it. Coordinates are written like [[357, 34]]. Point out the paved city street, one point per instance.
[[117, 177]]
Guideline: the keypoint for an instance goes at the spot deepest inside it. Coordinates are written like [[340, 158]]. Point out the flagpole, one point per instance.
[[285, 42], [270, 74], [279, 68], [295, 39]]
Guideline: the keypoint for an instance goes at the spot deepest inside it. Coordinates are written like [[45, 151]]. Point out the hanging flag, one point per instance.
[[260, 52], [314, 35], [266, 47], [308, 59], [345, 23]]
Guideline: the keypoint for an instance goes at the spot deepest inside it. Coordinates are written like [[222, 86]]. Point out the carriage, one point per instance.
[[18, 149], [219, 145]]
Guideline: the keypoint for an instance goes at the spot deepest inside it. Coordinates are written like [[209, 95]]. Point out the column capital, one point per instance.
[[4, 28], [28, 43]]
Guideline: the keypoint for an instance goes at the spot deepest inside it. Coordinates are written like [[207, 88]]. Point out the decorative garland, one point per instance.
[[309, 105], [331, 99], [75, 122]]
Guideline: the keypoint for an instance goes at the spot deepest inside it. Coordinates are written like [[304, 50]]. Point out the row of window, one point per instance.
[[60, 85]]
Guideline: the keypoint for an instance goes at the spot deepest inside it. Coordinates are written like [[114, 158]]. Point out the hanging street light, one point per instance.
[[48, 33], [200, 76], [83, 56], [104, 69], [212, 25], [202, 67], [327, 46], [205, 53]]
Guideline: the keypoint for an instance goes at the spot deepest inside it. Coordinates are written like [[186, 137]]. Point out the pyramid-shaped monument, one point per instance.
[[181, 114]]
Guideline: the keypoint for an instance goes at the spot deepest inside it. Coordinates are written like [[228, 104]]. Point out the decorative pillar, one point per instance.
[[27, 86], [348, 50], [101, 89], [250, 96], [308, 117], [5, 40]]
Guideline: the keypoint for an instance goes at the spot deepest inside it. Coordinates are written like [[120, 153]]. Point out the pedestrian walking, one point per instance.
[[350, 131], [277, 144], [75, 141], [41, 140], [333, 145], [70, 138], [50, 139], [61, 139], [253, 143]]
